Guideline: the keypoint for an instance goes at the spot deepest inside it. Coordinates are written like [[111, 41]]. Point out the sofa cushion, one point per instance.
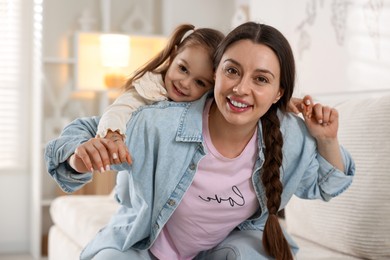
[[357, 222], [80, 217], [61, 247]]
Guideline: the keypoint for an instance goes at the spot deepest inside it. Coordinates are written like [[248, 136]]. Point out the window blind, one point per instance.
[[11, 83]]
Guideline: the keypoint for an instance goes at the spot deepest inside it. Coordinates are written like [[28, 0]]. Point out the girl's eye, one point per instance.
[[183, 68], [200, 83]]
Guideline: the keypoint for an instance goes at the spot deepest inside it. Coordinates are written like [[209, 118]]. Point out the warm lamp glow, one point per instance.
[[114, 78], [115, 50], [114, 53], [109, 59]]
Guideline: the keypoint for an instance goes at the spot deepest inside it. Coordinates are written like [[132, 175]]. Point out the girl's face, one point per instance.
[[247, 82], [190, 74]]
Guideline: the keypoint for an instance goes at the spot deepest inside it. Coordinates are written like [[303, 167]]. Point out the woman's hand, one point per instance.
[[99, 154], [323, 123]]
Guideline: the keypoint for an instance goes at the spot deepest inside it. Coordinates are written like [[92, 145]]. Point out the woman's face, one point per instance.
[[190, 74], [247, 82]]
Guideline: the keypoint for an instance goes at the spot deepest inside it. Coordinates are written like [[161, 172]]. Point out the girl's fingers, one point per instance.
[[123, 153], [308, 100], [294, 105], [307, 105], [118, 150], [113, 150]]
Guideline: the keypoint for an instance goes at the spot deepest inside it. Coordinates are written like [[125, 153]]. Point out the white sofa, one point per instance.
[[355, 225]]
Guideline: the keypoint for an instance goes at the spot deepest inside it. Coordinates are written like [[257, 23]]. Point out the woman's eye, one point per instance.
[[262, 79], [231, 71]]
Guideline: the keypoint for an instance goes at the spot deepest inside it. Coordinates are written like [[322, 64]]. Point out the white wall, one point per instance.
[[15, 188], [201, 13], [339, 45], [15, 209]]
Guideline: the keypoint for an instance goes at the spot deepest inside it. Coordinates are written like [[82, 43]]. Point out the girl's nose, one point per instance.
[[185, 82]]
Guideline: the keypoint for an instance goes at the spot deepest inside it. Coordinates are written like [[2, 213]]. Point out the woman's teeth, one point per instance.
[[238, 104]]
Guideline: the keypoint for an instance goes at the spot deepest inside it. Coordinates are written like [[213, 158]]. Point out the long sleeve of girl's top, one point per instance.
[[146, 90], [117, 114]]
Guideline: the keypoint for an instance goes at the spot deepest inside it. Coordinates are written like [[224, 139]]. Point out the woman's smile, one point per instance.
[[237, 105]]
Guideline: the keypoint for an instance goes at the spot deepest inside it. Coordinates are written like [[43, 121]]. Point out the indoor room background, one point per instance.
[[341, 47]]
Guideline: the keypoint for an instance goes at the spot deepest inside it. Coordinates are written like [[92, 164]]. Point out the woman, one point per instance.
[[209, 177]]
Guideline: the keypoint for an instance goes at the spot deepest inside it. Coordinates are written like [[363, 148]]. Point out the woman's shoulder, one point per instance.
[[166, 114], [291, 120], [294, 129], [161, 107], [167, 107]]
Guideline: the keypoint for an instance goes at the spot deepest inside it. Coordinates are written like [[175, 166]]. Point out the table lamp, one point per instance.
[[115, 54], [104, 61]]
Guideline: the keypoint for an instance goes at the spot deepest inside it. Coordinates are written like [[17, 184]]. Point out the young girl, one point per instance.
[[182, 71]]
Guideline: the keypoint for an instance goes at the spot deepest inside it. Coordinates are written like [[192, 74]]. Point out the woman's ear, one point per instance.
[[280, 94]]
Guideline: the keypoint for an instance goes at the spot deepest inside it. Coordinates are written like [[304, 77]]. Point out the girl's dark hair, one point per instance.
[[181, 38], [274, 242]]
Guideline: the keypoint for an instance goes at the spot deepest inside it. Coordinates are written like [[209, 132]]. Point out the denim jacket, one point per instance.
[[166, 143]]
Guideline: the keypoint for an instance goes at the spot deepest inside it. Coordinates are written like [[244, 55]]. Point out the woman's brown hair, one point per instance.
[[274, 242], [181, 38]]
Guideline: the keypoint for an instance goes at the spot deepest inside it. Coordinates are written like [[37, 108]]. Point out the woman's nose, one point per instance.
[[243, 87]]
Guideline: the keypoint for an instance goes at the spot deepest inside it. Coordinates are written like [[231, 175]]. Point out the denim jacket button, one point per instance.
[[171, 202], [192, 167], [156, 226]]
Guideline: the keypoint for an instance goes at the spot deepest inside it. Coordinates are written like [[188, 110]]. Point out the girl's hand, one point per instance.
[[296, 105], [123, 154], [96, 154]]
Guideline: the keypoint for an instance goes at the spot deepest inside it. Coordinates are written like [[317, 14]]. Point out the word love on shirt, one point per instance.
[[237, 200]]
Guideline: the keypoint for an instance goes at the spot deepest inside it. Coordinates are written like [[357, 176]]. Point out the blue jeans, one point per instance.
[[239, 245]]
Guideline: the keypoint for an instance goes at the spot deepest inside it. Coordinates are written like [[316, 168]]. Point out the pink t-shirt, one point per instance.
[[220, 197]]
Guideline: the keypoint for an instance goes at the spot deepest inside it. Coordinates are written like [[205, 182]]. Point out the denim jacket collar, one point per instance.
[[190, 128]]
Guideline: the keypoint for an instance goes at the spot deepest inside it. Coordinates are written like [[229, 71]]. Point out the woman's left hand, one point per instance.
[[322, 121]]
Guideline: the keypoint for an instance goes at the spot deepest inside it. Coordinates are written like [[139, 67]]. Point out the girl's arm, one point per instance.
[[119, 113], [112, 126]]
